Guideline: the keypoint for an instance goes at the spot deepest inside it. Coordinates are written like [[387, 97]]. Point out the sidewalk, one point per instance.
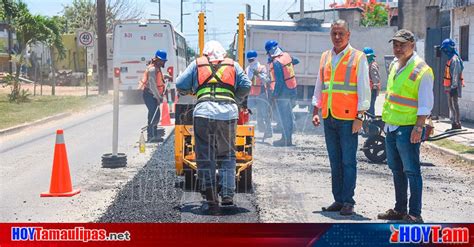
[[452, 145]]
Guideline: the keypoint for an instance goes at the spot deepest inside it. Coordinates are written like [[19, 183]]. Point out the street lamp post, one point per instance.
[[159, 7]]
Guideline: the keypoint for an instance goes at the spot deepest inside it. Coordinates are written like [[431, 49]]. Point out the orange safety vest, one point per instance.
[[216, 82], [256, 88], [339, 89], [288, 71], [447, 75], [160, 83]]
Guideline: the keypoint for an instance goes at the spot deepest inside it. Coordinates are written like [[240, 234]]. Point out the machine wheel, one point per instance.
[[190, 180], [374, 149], [245, 182]]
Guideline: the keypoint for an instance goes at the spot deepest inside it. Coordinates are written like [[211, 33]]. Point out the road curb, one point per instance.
[[451, 152], [18, 128]]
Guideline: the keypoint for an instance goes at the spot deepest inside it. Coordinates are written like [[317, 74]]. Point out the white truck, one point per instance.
[[135, 43], [303, 40]]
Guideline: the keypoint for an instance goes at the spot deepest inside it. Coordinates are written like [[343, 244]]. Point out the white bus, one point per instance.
[[135, 43]]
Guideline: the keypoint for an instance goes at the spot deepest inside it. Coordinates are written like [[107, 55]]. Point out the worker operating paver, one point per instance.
[[220, 84]]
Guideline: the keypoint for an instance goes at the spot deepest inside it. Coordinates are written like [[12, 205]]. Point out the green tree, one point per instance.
[[375, 15], [30, 29], [82, 14]]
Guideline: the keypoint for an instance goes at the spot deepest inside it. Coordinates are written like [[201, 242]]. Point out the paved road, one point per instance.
[[26, 161], [291, 184]]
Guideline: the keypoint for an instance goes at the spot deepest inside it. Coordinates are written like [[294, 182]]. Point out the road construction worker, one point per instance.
[[220, 85], [342, 93], [453, 81], [282, 75], [153, 86], [408, 101], [258, 96], [374, 77]]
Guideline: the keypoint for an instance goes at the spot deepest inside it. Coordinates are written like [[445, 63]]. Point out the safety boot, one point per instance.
[[212, 201], [283, 142]]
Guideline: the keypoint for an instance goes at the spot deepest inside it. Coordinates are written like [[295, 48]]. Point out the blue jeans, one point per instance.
[[373, 98], [215, 148], [403, 158], [285, 113], [153, 106], [261, 107], [342, 148]]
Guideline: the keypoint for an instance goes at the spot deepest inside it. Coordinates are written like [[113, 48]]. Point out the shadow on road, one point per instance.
[[337, 216]]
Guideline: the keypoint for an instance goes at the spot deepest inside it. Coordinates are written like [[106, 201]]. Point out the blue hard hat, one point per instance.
[[369, 51], [251, 54], [161, 54], [448, 43], [270, 44]]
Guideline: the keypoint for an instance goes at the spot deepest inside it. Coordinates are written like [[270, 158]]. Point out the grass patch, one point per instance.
[[460, 148], [12, 114]]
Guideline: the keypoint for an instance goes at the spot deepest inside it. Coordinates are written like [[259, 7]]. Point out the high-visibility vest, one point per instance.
[[288, 71], [160, 83], [401, 99], [447, 74], [216, 80], [339, 89], [256, 88]]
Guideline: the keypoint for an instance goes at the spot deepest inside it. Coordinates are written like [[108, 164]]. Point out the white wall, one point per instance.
[[461, 17]]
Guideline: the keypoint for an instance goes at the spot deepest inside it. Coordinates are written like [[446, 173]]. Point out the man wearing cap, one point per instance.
[[408, 101], [342, 93], [453, 81], [153, 87], [282, 76], [220, 84], [258, 96], [374, 77]]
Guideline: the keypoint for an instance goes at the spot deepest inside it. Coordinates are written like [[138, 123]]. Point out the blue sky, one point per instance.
[[221, 18]]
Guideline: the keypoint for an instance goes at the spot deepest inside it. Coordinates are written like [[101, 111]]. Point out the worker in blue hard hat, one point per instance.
[[153, 87], [453, 81], [374, 77], [283, 82], [258, 96]]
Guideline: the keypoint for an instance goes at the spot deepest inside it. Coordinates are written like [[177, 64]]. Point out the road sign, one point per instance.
[[85, 38]]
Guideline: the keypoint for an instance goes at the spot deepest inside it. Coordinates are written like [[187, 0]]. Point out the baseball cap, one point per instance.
[[403, 35]]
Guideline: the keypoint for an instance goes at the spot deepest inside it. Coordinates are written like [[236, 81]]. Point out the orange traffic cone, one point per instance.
[[165, 117], [61, 185]]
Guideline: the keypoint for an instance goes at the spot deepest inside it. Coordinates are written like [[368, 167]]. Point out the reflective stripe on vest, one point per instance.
[[217, 81], [447, 75], [339, 85], [288, 70], [401, 100], [256, 88]]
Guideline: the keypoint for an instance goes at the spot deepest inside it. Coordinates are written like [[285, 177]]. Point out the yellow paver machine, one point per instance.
[[185, 156]]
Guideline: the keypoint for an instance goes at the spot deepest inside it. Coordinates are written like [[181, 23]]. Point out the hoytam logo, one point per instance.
[[75, 234], [429, 234]]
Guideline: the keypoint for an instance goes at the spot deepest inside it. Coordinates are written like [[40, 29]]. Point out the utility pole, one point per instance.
[[263, 12], [181, 16], [102, 47], [159, 9], [301, 9], [268, 9], [248, 11]]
